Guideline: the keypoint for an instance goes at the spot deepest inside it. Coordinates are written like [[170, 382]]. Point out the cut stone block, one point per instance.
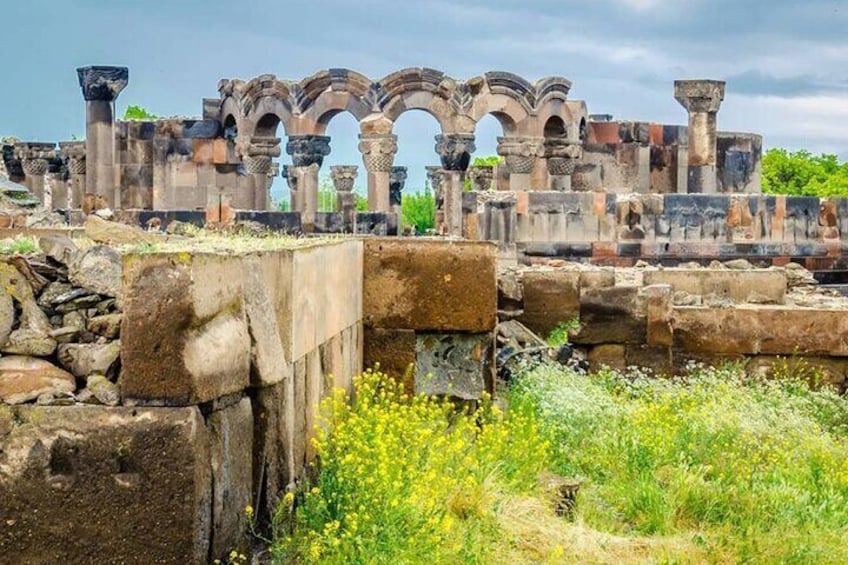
[[550, 298], [96, 484], [454, 365], [750, 329], [740, 286], [231, 436], [431, 285], [184, 334], [394, 351], [273, 422], [612, 315]]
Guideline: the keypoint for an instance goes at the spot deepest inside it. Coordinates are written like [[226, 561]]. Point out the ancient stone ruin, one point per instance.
[[156, 378]]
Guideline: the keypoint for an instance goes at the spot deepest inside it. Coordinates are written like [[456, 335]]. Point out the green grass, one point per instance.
[[559, 335], [753, 472], [713, 467]]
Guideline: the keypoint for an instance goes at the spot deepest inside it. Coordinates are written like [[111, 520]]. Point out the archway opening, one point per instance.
[[416, 132], [486, 134], [555, 128], [343, 130]]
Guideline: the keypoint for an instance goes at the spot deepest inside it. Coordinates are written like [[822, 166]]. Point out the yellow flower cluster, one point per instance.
[[411, 480]]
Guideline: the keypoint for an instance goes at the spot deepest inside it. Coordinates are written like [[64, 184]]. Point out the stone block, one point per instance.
[[656, 358], [750, 329], [300, 429], [454, 365], [394, 351], [184, 335], [550, 298], [97, 485], [273, 423], [738, 285], [659, 314], [431, 285], [607, 355], [268, 363], [612, 315], [231, 451]]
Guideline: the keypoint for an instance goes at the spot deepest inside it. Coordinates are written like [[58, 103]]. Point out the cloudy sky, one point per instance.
[[786, 63]]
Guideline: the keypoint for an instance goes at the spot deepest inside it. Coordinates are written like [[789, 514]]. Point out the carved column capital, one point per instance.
[[308, 150], [481, 177], [257, 154], [102, 83], [562, 156], [519, 153], [455, 150], [73, 152], [699, 95], [343, 177], [378, 151]]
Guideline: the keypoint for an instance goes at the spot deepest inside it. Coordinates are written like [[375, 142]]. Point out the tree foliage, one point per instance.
[[801, 173], [419, 210], [138, 113]]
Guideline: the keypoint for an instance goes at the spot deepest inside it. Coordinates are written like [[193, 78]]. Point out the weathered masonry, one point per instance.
[[223, 360]]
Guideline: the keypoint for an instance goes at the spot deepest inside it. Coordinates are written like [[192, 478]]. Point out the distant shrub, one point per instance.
[[138, 113]]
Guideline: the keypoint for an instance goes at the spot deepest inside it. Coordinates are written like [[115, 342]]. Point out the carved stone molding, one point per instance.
[[455, 150], [562, 156], [343, 177], [306, 150], [378, 151], [699, 95], [102, 83], [257, 164], [520, 153]]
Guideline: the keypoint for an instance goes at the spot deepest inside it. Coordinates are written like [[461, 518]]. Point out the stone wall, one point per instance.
[[429, 313], [603, 226], [666, 318], [223, 361]]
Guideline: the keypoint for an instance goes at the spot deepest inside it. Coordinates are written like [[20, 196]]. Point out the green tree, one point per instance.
[[419, 209], [801, 173], [138, 113]]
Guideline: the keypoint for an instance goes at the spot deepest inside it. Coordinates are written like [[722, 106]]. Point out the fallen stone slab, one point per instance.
[[26, 378]]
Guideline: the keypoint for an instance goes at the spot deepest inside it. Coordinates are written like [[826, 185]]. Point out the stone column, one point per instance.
[[455, 152], [520, 155], [397, 179], [295, 199], [562, 157], [57, 183], [435, 175], [702, 99], [343, 178], [34, 159], [307, 153], [378, 154], [100, 88], [257, 157], [74, 154]]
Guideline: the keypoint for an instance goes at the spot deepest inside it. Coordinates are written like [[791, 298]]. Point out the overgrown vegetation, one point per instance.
[[138, 113], [711, 467], [805, 174], [559, 335], [20, 245], [419, 210], [411, 481]]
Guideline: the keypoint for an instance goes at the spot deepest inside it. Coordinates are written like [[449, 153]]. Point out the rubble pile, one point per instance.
[[60, 323]]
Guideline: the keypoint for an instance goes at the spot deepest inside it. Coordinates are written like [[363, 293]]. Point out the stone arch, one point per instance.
[[326, 94], [419, 89], [263, 96], [555, 127]]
